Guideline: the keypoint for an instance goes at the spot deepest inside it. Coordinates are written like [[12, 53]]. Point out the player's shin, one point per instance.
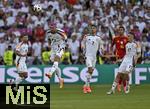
[[86, 87], [127, 80], [112, 90], [61, 80], [53, 69], [89, 76], [17, 81], [127, 87], [124, 84], [119, 85], [114, 85], [58, 73], [87, 82]]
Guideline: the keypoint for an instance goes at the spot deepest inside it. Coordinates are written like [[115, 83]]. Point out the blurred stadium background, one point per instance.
[[17, 18]]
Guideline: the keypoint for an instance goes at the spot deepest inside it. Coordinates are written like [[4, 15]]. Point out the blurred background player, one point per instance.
[[8, 56], [21, 55], [133, 52], [58, 39], [120, 42], [91, 44]]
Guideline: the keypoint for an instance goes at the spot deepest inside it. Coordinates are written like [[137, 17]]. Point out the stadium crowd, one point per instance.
[[17, 18]]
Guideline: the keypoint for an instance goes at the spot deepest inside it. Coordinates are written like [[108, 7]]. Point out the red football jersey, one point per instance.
[[120, 43]]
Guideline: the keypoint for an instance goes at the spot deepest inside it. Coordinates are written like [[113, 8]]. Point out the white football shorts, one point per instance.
[[22, 67], [126, 66], [90, 61], [58, 53]]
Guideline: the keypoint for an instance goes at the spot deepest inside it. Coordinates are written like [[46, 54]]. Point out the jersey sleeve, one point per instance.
[[62, 33], [47, 35]]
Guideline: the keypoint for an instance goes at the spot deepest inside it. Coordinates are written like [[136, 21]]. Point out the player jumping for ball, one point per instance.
[[133, 52], [91, 44], [58, 39]]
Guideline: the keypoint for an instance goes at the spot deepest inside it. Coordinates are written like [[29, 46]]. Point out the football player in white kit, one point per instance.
[[21, 55], [90, 45], [58, 40], [133, 52]]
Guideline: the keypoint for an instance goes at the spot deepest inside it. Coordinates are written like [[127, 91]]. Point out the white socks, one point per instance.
[[54, 67], [58, 73], [18, 80], [114, 85], [88, 77]]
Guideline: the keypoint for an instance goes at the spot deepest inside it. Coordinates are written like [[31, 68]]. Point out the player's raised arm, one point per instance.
[[62, 33], [47, 35]]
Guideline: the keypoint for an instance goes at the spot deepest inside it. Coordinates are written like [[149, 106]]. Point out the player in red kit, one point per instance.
[[119, 42]]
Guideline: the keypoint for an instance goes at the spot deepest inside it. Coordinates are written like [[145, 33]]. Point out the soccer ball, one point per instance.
[[37, 8]]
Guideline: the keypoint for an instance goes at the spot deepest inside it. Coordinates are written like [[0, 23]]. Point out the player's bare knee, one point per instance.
[[90, 70], [25, 75], [118, 77], [57, 58], [127, 77], [21, 75]]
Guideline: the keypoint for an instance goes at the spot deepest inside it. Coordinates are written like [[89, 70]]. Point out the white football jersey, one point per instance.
[[132, 49], [22, 48], [92, 44], [57, 39]]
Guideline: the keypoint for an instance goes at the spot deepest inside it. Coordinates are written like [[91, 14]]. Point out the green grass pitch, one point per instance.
[[71, 97]]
